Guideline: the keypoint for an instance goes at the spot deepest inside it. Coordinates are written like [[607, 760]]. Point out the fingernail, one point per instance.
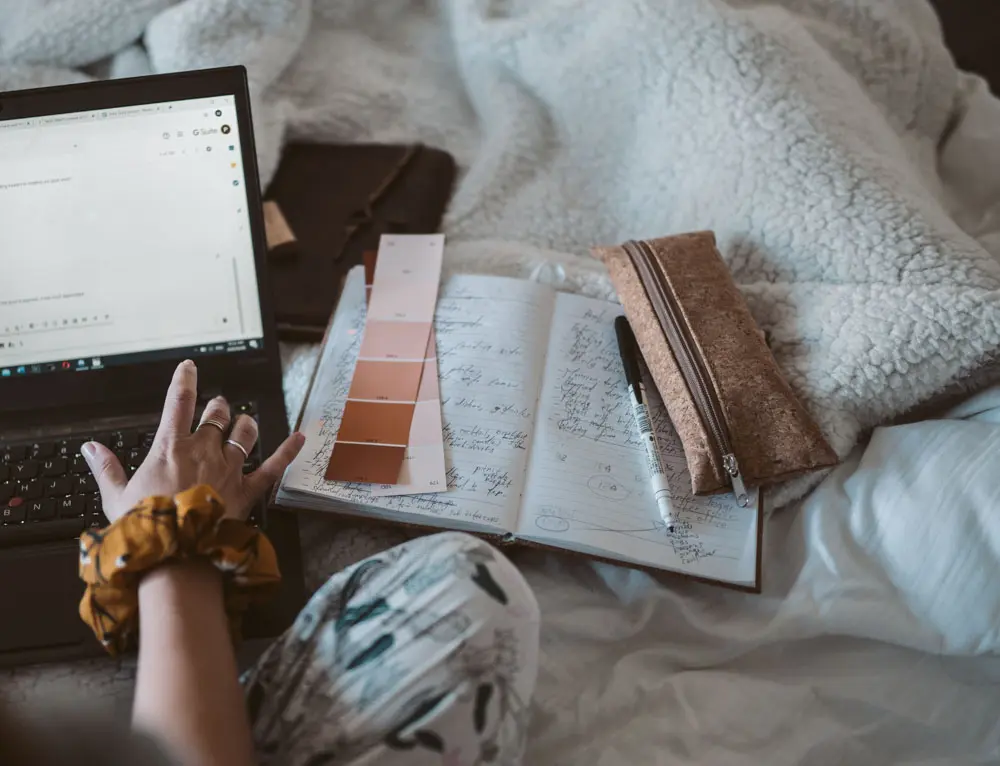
[[89, 450], [186, 363], [300, 438]]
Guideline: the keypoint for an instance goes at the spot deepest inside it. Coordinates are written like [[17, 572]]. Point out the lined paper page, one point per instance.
[[490, 357], [588, 486]]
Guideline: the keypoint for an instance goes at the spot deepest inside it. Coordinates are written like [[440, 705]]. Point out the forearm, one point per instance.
[[188, 691]]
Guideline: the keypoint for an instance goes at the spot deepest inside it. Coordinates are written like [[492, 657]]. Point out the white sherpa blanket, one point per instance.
[[804, 132]]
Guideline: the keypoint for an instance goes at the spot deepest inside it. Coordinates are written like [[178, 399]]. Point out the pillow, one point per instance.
[[902, 541]]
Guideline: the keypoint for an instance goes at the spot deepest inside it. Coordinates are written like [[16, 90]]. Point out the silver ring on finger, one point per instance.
[[213, 422], [240, 447]]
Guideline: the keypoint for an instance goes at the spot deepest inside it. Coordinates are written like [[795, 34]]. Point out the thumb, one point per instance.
[[107, 471]]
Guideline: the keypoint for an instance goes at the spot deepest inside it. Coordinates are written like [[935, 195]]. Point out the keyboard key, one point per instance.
[[13, 454], [25, 534], [136, 455], [4, 472], [250, 465], [69, 507], [41, 510], [26, 470], [243, 408], [59, 487], [55, 466], [79, 465], [29, 490], [84, 484], [146, 439], [69, 447], [14, 512], [95, 513], [7, 490], [43, 450], [124, 440]]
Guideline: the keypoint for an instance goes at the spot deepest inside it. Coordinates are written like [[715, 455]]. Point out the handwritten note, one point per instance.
[[490, 352], [588, 487]]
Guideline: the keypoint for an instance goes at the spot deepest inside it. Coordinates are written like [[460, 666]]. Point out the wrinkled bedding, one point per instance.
[[805, 133], [853, 177]]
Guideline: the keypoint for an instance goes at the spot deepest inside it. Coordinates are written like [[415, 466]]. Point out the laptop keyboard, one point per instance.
[[47, 491]]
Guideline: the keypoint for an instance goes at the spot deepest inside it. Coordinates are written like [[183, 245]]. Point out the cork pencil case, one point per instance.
[[739, 421]]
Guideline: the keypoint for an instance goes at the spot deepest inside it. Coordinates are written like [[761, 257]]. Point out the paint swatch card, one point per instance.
[[382, 403], [423, 468]]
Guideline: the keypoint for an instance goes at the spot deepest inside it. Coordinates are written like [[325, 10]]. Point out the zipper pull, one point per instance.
[[739, 488]]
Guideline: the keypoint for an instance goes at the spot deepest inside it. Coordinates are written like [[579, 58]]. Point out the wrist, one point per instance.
[[182, 577]]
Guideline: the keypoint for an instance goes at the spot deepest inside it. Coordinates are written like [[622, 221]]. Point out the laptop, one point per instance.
[[131, 237]]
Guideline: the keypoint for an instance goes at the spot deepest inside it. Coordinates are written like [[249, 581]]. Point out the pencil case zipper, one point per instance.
[[692, 365]]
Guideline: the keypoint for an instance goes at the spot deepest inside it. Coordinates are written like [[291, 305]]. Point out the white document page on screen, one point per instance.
[[124, 233]]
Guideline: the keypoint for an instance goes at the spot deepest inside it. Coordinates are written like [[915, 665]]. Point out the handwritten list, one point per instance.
[[588, 487], [490, 352]]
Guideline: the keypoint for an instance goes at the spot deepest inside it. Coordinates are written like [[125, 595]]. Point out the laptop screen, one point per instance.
[[124, 237]]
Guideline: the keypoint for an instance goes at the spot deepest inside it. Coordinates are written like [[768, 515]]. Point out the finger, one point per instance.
[[261, 480], [182, 396], [244, 433], [107, 471], [214, 423]]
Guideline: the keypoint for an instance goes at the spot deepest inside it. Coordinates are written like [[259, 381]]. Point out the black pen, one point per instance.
[[629, 351]]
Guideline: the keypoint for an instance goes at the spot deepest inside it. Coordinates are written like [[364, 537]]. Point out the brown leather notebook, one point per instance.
[[336, 201]]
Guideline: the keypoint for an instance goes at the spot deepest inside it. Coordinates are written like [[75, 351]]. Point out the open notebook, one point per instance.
[[541, 445]]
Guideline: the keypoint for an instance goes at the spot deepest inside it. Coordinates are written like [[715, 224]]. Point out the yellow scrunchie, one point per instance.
[[159, 529]]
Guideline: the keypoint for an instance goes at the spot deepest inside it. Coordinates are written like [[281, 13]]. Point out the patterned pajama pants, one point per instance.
[[424, 654]]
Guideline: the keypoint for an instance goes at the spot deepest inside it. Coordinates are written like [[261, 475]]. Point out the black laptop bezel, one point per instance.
[[142, 379]]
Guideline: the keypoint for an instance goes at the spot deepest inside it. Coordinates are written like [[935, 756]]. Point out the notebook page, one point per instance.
[[490, 357], [588, 486]]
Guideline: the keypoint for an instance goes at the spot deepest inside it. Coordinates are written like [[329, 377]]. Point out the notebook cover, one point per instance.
[[338, 200]]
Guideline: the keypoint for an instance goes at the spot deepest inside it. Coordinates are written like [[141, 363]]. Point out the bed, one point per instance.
[[852, 175]]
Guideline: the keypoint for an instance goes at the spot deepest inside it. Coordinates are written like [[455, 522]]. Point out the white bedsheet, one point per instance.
[[900, 543]]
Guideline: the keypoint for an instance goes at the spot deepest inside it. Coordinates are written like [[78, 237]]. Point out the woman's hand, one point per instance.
[[180, 459]]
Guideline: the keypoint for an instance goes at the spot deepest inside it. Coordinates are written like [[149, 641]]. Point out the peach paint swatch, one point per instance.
[[374, 433], [423, 468]]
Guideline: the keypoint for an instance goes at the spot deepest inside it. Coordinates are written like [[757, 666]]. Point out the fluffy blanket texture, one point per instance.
[[804, 132]]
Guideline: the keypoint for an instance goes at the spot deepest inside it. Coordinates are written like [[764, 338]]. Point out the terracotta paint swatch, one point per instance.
[[376, 423], [423, 468], [385, 381], [366, 463], [375, 430]]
